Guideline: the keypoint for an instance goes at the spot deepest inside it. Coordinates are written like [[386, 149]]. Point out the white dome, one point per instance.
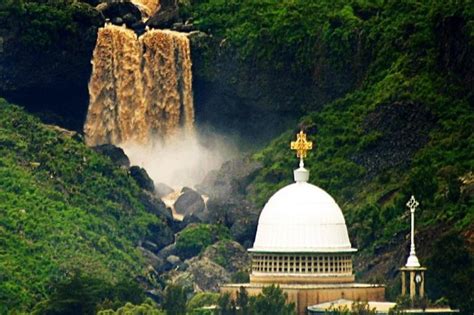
[[301, 218]]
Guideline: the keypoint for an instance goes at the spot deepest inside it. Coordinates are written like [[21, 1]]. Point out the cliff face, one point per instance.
[[45, 57]]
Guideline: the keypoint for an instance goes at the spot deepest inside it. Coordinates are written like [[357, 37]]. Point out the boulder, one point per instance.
[[165, 16], [189, 203], [162, 190], [152, 259], [160, 235], [141, 177], [229, 254], [156, 206], [121, 12], [231, 180], [207, 275], [152, 247], [167, 251], [175, 262], [116, 154], [227, 189]]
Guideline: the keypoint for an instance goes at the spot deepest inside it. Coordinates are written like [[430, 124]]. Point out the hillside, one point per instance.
[[383, 88], [64, 210], [391, 113]]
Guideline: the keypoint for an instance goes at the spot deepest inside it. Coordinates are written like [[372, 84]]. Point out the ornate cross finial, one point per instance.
[[412, 204], [412, 260], [301, 146]]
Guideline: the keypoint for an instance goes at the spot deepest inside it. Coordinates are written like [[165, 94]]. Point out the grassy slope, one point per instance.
[[408, 66], [62, 207]]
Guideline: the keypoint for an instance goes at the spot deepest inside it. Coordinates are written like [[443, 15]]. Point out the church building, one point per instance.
[[302, 245]]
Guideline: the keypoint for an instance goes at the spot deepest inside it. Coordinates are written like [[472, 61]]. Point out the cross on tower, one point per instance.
[[412, 259], [301, 146]]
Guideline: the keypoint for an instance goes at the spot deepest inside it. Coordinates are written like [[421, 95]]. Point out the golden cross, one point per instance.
[[301, 145]]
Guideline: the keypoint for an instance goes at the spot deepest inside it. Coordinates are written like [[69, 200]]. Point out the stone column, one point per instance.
[[403, 283], [422, 284], [412, 285]]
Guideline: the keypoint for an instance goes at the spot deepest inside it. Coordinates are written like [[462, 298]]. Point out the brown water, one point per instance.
[[140, 88]]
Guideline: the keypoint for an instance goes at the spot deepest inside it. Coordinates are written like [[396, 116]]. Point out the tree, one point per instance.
[[175, 300], [242, 301], [226, 305], [272, 300], [147, 308]]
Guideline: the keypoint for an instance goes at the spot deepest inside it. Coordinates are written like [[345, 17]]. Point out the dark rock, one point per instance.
[[229, 254], [141, 177], [456, 54], [152, 247], [231, 180], [160, 235], [167, 251], [189, 203], [156, 206], [227, 204], [165, 16], [152, 259], [117, 20], [49, 75], [207, 275], [138, 27], [180, 27], [185, 189], [121, 12], [162, 190], [403, 128], [116, 154]]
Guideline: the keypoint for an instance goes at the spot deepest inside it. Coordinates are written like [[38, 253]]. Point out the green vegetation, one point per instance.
[[357, 308], [196, 237], [147, 308], [404, 127], [200, 300], [63, 209], [78, 294], [48, 24], [175, 300], [272, 300]]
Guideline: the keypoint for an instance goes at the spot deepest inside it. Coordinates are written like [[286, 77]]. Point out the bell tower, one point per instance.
[[413, 268]]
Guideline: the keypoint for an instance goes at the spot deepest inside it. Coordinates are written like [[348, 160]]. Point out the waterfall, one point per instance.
[[140, 88]]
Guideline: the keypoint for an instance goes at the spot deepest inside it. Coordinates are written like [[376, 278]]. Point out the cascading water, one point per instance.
[[141, 100], [140, 88]]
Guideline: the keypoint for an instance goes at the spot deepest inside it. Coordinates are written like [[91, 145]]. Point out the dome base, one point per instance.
[[282, 278]]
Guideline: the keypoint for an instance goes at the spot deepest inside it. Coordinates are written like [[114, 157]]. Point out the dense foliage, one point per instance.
[[404, 128], [63, 208], [196, 237], [46, 24], [272, 300], [146, 308]]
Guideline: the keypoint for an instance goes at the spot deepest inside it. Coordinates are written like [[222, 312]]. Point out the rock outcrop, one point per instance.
[[165, 16], [142, 178], [227, 202], [116, 154]]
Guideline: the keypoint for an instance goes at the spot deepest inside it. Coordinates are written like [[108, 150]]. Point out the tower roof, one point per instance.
[[301, 217]]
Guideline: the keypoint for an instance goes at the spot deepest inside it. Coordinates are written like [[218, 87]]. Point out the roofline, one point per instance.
[[303, 251]]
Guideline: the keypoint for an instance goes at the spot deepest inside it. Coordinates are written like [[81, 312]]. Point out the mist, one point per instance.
[[183, 160]]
